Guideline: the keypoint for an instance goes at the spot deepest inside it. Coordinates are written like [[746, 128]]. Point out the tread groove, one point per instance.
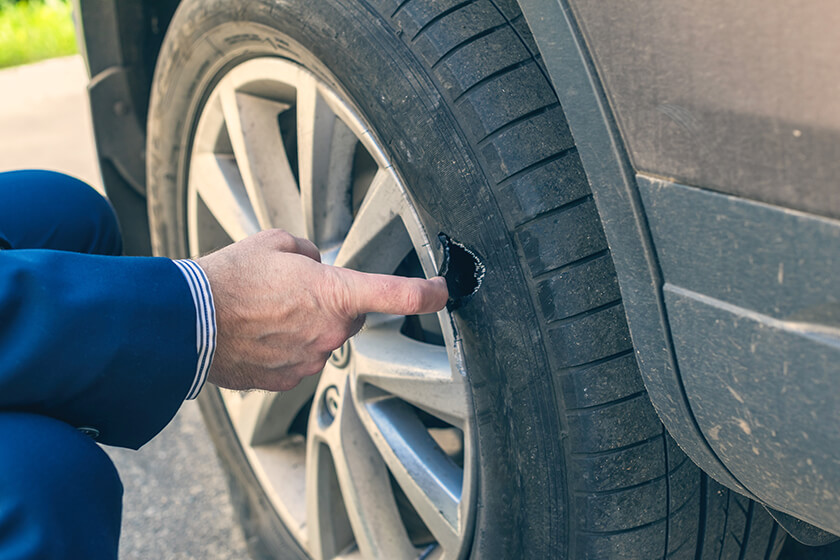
[[667, 492], [725, 524], [493, 76], [750, 515], [678, 467], [400, 7], [632, 529], [674, 552], [573, 264], [583, 314], [543, 276], [536, 165], [440, 16], [585, 409], [614, 449], [558, 210], [521, 39], [622, 489], [701, 525], [574, 369], [467, 42], [770, 547], [522, 118]]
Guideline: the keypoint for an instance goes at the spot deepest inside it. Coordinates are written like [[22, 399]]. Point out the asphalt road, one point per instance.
[[176, 504]]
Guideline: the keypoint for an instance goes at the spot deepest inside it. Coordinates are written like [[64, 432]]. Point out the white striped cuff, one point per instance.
[[205, 327]]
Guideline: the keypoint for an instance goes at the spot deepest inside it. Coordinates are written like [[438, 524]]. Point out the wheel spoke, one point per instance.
[[328, 527], [261, 156], [428, 477], [326, 147], [265, 418], [217, 180], [416, 372], [377, 240], [365, 488], [390, 371]]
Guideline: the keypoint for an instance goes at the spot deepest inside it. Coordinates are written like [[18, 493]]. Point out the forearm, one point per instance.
[[106, 342]]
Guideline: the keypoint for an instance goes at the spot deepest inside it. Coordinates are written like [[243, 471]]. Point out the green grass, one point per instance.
[[35, 30]]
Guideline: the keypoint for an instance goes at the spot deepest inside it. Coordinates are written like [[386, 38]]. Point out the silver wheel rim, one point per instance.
[[386, 466]]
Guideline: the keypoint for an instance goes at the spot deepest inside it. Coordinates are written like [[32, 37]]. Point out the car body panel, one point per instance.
[[738, 97], [752, 300]]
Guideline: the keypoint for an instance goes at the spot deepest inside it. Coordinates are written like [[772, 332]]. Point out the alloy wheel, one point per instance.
[[374, 456]]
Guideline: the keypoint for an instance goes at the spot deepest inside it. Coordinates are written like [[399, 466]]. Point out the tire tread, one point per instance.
[[488, 66]]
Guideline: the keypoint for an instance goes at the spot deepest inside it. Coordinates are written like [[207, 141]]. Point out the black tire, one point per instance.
[[573, 461]]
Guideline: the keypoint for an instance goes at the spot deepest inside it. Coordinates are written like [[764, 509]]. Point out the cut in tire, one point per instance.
[[571, 460]]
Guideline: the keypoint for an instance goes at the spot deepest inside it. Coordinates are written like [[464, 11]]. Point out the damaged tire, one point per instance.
[[428, 117]]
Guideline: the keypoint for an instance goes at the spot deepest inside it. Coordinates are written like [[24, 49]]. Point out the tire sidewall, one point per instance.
[[520, 509]]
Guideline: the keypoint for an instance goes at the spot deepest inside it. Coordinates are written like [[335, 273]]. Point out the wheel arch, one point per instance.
[[120, 41]]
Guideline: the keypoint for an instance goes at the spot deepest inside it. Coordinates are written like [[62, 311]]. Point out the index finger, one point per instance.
[[396, 295]]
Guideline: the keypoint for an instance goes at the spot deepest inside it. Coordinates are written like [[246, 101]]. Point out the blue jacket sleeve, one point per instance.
[[102, 342]]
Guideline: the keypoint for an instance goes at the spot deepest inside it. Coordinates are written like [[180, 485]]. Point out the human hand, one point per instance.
[[280, 313]]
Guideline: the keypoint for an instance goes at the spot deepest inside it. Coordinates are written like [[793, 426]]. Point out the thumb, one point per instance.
[[395, 295]]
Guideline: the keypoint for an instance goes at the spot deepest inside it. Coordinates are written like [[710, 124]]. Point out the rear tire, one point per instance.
[[572, 460]]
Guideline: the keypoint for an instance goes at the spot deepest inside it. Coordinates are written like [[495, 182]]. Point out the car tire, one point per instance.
[[572, 460]]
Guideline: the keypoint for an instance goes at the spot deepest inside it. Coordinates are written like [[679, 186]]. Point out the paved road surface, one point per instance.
[[176, 504], [176, 501], [45, 119]]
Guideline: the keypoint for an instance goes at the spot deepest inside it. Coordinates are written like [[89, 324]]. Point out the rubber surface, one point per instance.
[[573, 461]]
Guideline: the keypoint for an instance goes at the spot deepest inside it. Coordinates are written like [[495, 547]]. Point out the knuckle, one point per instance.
[[339, 294], [414, 299], [282, 238], [306, 245]]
